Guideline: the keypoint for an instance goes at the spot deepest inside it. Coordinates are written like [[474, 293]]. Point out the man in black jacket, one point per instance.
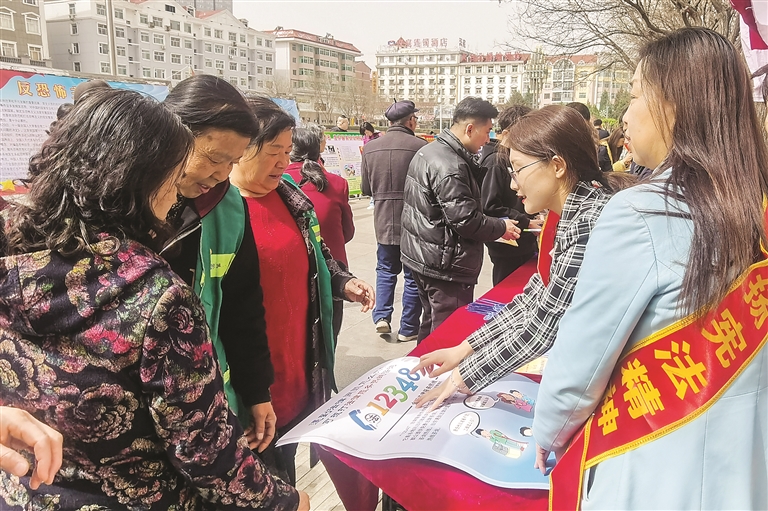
[[499, 200], [443, 225], [385, 164]]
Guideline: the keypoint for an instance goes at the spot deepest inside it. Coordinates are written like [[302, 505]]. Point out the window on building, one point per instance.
[[208, 63], [242, 38], [232, 36], [243, 68], [233, 66], [72, 10], [76, 48], [122, 69], [232, 53], [175, 58], [159, 56], [188, 59], [218, 34], [120, 51], [243, 53], [188, 44], [207, 31], [160, 73], [260, 43], [188, 28], [502, 69], [260, 83], [101, 28], [467, 80], [157, 22], [73, 28], [76, 66], [176, 42], [478, 90], [144, 19], [35, 52], [32, 23], [260, 70], [101, 10], [105, 68], [268, 70], [268, 57], [175, 25], [219, 64], [158, 38], [104, 48], [118, 14], [120, 32], [243, 81], [218, 48], [145, 55], [146, 72], [260, 56], [208, 47], [176, 75], [144, 36], [268, 43], [170, 8]]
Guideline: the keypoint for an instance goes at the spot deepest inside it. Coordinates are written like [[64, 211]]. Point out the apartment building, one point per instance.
[[582, 78], [23, 35], [208, 5], [492, 76], [159, 40], [315, 69]]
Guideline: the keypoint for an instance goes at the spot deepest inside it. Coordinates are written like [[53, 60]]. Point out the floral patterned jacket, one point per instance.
[[112, 350]]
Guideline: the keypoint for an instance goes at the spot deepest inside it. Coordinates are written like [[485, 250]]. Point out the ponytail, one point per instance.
[[312, 172]]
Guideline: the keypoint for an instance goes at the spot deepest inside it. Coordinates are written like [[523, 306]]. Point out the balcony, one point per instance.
[[10, 60], [38, 63]]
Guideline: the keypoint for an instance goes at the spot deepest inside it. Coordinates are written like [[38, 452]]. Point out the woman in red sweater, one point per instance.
[[330, 195]]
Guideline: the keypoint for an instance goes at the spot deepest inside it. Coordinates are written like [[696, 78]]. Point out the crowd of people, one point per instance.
[[171, 288]]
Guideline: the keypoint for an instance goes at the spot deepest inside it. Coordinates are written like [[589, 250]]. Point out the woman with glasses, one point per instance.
[[554, 167]]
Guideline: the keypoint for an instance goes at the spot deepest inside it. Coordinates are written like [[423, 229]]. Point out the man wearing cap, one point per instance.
[[444, 227], [385, 164]]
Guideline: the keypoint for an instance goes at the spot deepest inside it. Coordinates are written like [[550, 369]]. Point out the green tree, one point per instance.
[[620, 103], [605, 103], [516, 98]]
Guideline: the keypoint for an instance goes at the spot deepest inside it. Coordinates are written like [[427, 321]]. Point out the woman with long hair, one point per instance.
[[554, 167], [664, 342], [101, 341]]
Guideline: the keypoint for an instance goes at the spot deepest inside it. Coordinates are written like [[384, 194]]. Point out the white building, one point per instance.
[[23, 36], [314, 70], [493, 76], [160, 40]]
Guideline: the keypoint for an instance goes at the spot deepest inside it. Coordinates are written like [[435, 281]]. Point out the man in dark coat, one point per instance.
[[443, 225], [501, 201], [385, 164]]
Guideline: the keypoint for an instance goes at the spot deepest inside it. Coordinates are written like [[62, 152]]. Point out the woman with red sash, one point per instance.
[[658, 381]]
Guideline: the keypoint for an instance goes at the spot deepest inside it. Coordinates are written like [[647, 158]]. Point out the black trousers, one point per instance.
[[439, 298]]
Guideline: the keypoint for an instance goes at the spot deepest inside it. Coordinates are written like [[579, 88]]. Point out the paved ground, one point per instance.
[[360, 347]]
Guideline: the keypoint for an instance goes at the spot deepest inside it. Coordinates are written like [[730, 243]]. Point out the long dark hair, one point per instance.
[[613, 144], [205, 102], [719, 162], [98, 172], [271, 120], [306, 148], [561, 131]]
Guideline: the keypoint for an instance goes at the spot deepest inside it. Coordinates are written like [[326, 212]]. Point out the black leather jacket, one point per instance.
[[443, 225]]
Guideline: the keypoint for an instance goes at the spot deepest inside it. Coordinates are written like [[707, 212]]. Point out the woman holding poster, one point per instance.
[[658, 379]]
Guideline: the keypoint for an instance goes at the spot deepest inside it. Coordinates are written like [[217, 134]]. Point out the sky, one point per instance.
[[369, 24]]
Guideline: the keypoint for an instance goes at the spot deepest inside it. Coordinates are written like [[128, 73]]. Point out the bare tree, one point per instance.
[[357, 99], [279, 87], [324, 88], [616, 27]]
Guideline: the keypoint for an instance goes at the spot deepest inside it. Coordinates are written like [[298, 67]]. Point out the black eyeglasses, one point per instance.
[[515, 173]]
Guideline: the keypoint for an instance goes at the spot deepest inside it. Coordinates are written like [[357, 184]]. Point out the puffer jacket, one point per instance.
[[443, 225]]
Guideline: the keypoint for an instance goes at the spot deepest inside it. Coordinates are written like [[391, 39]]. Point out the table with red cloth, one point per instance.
[[419, 484]]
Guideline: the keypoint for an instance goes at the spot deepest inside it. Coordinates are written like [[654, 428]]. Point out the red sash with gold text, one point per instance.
[[668, 380]]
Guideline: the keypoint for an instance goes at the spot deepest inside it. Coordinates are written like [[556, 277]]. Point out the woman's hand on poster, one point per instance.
[[443, 391], [21, 431], [541, 459], [262, 430], [359, 291], [441, 361]]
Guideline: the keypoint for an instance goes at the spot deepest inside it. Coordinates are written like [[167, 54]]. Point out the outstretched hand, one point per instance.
[[359, 291], [443, 392], [21, 431], [443, 360]]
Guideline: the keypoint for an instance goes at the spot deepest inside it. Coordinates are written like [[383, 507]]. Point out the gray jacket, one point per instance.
[[443, 222], [385, 164]]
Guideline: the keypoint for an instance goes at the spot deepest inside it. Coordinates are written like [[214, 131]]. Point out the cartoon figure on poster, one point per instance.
[[517, 399], [502, 444], [514, 398]]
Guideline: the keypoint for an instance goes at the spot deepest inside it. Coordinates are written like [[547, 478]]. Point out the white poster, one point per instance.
[[487, 435]]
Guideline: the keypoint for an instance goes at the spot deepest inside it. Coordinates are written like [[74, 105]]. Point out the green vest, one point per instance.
[[325, 294], [220, 238]]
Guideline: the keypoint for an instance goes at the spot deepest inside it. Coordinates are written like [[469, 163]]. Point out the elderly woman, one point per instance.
[[101, 341], [298, 274]]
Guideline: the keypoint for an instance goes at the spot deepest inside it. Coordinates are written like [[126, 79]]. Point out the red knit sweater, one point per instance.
[[284, 266]]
